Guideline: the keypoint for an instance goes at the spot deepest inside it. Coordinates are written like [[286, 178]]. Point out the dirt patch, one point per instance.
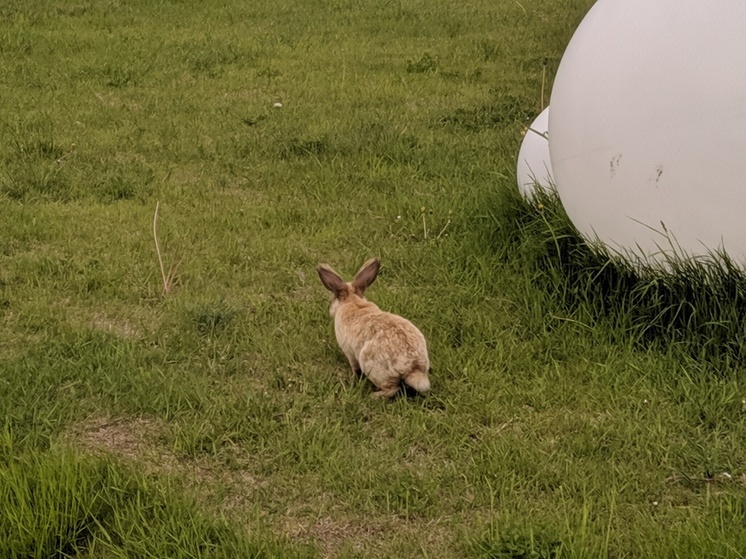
[[144, 441], [309, 516], [333, 535], [132, 439], [341, 533]]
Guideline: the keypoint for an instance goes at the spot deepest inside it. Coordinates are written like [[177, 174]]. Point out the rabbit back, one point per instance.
[[387, 347]]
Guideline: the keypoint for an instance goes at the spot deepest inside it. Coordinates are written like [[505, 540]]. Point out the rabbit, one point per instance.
[[385, 347]]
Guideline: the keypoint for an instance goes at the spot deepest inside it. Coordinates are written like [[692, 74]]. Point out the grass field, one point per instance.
[[573, 413]]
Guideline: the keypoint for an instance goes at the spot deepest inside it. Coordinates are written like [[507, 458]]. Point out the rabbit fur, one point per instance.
[[385, 347]]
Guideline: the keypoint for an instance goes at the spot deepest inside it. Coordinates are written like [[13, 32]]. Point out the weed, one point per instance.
[[517, 544], [210, 319], [426, 63], [169, 277]]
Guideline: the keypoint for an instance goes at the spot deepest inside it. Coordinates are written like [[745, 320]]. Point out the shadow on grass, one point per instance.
[[699, 305]]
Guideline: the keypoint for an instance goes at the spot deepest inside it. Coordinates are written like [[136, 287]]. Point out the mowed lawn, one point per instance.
[[203, 408]]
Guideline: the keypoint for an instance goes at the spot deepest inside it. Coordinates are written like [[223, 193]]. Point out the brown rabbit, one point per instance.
[[385, 347]]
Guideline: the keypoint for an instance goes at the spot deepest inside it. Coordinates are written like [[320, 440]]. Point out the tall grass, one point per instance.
[[696, 305], [59, 504]]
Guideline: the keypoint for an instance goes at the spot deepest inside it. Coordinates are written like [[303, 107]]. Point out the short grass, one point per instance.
[[568, 417]]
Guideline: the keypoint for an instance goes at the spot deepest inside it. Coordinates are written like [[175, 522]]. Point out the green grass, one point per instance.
[[57, 504], [578, 409], [695, 306]]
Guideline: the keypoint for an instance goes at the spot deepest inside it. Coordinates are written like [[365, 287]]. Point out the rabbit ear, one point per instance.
[[331, 279], [366, 275]]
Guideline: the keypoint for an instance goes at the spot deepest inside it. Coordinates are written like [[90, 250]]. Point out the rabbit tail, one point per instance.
[[418, 380]]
